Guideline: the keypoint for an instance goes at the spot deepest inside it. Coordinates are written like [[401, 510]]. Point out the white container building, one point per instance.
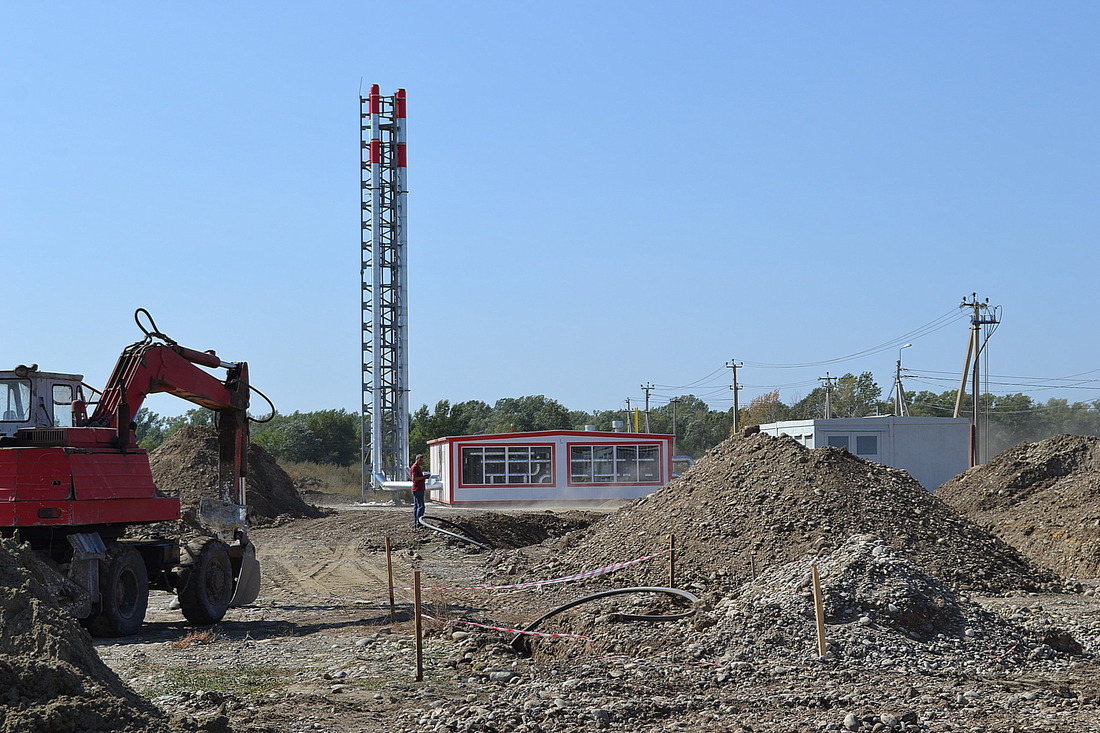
[[932, 449]]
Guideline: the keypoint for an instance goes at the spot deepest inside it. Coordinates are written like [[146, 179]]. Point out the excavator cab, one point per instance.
[[30, 398]]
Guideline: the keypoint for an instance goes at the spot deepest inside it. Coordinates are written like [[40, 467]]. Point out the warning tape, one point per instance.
[[1010, 650], [538, 583]]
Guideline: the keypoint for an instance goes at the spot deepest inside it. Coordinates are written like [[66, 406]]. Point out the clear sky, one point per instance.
[[602, 194]]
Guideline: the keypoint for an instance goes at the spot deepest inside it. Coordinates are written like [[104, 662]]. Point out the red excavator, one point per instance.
[[79, 489]]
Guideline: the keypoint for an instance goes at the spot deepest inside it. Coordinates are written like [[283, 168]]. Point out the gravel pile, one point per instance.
[[759, 501], [1042, 498]]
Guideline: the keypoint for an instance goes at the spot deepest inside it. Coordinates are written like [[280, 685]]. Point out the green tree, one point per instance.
[[465, 418], [149, 428], [326, 436], [929, 404], [525, 414], [697, 427], [858, 397]]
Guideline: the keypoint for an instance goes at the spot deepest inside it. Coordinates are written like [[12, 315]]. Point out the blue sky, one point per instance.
[[602, 194]]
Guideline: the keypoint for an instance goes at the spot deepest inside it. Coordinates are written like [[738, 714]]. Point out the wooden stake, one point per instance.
[[389, 576], [819, 611], [419, 628], [672, 561]]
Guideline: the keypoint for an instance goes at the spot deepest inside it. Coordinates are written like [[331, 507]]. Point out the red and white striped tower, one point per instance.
[[384, 272]]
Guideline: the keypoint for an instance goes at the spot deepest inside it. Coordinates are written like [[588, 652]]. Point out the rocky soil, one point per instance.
[[186, 466], [50, 675], [759, 501], [1043, 498], [931, 622]]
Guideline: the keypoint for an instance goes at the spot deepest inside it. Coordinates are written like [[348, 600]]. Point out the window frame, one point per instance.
[[627, 464], [503, 462]]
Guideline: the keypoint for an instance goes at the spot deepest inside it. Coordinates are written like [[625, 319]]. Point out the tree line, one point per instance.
[[333, 436]]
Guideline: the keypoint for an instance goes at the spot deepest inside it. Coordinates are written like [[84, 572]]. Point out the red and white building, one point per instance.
[[548, 466]]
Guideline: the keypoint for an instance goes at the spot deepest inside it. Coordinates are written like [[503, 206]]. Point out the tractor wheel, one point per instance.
[[123, 593], [205, 585]]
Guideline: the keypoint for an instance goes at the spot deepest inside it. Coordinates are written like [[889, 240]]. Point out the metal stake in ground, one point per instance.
[[418, 626]]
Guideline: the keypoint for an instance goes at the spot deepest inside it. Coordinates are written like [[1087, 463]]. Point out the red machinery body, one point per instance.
[[82, 481], [73, 486]]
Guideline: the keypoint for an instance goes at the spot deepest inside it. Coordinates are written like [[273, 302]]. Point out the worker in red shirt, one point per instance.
[[419, 479]]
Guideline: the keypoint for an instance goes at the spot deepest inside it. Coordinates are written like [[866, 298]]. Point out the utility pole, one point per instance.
[[828, 382], [982, 314], [674, 401], [648, 387], [732, 364], [901, 409], [628, 423]]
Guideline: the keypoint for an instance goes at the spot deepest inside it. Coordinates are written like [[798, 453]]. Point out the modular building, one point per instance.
[[548, 466], [932, 449]]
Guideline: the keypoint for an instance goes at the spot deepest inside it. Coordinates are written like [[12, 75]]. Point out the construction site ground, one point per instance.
[[319, 651], [933, 620]]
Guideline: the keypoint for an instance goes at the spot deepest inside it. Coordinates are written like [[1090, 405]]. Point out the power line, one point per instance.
[[943, 321]]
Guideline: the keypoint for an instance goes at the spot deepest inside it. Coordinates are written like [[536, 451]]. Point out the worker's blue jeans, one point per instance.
[[418, 507]]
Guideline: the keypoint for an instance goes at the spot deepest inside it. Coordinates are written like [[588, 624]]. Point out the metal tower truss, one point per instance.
[[384, 275]]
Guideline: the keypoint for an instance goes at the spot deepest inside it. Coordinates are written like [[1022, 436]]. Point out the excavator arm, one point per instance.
[[149, 367]]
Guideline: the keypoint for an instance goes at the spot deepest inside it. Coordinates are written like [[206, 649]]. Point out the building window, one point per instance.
[[838, 441], [506, 464], [607, 464], [866, 445]]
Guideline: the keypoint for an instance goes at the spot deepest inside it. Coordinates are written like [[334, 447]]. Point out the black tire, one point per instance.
[[206, 582], [123, 593]]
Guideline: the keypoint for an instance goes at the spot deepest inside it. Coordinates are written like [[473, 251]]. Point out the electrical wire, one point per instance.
[[937, 324]]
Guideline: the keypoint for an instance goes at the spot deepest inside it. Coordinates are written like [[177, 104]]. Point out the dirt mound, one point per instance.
[[1042, 498], [758, 501], [520, 529], [881, 610], [51, 677], [186, 465]]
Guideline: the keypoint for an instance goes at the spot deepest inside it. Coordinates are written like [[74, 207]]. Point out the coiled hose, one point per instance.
[[473, 539], [521, 642]]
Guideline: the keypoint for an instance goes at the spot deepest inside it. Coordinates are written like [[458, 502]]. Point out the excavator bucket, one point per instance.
[[247, 587]]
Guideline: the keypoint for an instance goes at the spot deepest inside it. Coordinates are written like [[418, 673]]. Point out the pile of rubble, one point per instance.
[[1043, 498], [760, 501], [186, 465], [50, 675]]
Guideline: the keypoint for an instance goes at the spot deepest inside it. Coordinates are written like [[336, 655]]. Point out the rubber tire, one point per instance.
[[206, 583], [123, 592]]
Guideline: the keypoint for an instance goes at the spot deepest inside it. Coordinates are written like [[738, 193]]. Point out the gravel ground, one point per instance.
[[336, 662], [931, 622]]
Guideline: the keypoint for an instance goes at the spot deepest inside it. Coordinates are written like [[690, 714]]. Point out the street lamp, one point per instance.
[[900, 408]]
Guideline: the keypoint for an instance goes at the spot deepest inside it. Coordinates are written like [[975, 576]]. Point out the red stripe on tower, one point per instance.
[[399, 103], [375, 152], [375, 99]]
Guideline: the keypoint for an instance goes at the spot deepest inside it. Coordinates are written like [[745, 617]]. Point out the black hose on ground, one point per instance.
[[479, 541], [521, 642]]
